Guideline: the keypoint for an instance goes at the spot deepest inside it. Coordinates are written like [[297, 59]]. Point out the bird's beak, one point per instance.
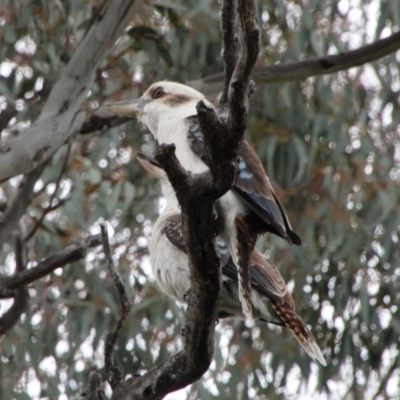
[[128, 108], [150, 164], [142, 155]]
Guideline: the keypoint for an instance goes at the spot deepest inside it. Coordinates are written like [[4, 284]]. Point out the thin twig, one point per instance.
[[12, 315], [114, 375], [102, 121], [49, 207], [75, 251], [54, 207], [21, 201]]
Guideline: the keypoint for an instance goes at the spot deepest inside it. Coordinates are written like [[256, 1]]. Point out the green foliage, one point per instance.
[[329, 144]]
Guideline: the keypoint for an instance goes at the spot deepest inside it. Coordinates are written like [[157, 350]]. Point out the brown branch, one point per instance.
[[101, 122], [114, 375], [301, 70], [16, 209], [239, 85], [178, 176], [223, 169], [12, 315], [230, 46], [49, 207], [75, 251]]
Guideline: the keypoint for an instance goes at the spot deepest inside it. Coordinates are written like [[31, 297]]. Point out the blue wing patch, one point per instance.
[[243, 172]]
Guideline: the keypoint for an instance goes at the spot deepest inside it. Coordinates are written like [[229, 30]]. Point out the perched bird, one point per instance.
[[270, 298], [251, 208]]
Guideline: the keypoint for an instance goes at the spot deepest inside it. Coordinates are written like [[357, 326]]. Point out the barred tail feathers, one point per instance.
[[300, 331]]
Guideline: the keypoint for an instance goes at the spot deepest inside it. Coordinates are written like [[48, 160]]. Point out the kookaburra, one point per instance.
[[250, 208], [270, 298]]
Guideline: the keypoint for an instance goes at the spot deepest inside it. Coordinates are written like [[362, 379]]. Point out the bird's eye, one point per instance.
[[157, 93]]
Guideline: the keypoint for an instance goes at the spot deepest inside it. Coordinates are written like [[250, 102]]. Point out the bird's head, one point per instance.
[[161, 102]]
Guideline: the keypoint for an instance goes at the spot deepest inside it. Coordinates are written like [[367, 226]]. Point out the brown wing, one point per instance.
[[267, 280], [254, 189], [252, 185]]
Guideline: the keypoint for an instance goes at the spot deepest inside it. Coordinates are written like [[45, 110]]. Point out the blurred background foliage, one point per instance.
[[331, 146]]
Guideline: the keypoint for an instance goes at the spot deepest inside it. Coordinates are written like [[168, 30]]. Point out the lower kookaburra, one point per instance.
[[250, 208], [270, 298]]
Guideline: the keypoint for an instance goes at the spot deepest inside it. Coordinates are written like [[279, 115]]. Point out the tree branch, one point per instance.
[[114, 375], [75, 251], [62, 116], [301, 70], [49, 208], [239, 85], [100, 121], [12, 315], [9, 220], [230, 46]]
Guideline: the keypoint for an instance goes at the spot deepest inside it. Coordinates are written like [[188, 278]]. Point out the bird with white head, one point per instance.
[[168, 110]]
